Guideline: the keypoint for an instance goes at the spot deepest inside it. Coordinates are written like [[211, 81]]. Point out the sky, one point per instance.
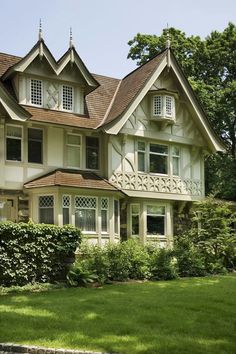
[[102, 28]]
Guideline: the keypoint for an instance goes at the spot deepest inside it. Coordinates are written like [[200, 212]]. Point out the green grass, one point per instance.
[[182, 316]]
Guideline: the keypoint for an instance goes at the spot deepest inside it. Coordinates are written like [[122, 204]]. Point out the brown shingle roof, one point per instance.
[[71, 178], [6, 61], [131, 85]]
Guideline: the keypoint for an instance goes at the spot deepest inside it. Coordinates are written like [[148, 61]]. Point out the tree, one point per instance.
[[210, 66]]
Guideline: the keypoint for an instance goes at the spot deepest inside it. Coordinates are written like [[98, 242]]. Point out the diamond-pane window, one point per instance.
[[46, 201], [66, 201], [67, 98], [85, 202], [104, 203], [46, 209], [104, 214], [169, 106], [36, 92]]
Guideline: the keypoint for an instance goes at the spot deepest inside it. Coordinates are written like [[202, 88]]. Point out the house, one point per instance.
[[117, 158]]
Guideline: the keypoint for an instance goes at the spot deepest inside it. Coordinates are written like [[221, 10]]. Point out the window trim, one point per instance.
[[101, 208], [118, 216], [66, 207], [99, 149], [131, 216], [73, 145], [17, 138], [38, 207], [72, 98], [30, 92], [157, 236], [163, 114], [42, 146], [96, 213]]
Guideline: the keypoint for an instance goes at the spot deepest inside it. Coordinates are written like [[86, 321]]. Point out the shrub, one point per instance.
[[163, 264], [35, 252], [81, 274]]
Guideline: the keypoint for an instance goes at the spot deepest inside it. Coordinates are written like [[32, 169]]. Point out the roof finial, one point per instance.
[[168, 37], [40, 30], [71, 38]]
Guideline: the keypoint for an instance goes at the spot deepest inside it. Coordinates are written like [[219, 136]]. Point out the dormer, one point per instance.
[[162, 105], [41, 81]]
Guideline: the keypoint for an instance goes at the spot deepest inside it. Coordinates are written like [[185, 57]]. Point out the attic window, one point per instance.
[[163, 106], [36, 92], [67, 97]]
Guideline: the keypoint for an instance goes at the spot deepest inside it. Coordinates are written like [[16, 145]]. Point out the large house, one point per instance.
[[117, 158]]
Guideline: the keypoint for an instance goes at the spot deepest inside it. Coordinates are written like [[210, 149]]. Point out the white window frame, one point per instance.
[[163, 113], [72, 98], [107, 215], [35, 104], [96, 212], [118, 217], [158, 236], [42, 147], [159, 154], [46, 195], [16, 138], [131, 219], [144, 153], [75, 146], [66, 207], [176, 157]]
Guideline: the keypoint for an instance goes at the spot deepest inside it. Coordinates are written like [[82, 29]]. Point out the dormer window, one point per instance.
[[36, 89], [164, 106], [67, 98]]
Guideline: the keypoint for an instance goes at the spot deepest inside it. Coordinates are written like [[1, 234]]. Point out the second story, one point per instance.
[[147, 133]]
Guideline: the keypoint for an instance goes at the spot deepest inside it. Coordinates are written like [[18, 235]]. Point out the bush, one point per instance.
[[209, 246], [163, 265], [35, 252]]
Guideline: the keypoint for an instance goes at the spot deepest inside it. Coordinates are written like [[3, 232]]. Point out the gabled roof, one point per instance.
[[71, 178], [40, 49]]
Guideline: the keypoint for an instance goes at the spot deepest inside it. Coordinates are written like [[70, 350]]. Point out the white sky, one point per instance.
[[102, 28]]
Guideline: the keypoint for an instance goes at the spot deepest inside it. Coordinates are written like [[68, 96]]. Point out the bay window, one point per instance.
[[116, 216], [13, 143], [104, 214], [66, 206], [135, 216], [46, 209], [163, 106], [85, 213]]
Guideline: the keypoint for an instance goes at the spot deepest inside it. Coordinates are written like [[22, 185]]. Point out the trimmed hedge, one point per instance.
[[32, 253]]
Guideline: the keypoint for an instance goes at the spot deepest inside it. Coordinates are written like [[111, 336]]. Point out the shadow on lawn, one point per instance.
[[194, 315]]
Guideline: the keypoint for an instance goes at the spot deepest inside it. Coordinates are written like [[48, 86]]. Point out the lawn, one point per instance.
[[182, 316]]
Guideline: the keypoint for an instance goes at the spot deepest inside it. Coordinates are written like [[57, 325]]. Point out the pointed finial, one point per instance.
[[168, 37], [40, 30], [71, 39]]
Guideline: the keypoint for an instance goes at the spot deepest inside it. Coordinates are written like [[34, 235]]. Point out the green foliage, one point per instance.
[[80, 274], [163, 264], [35, 253], [209, 246]]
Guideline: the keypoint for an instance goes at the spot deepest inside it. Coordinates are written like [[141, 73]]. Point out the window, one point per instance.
[[176, 161], [73, 148], [104, 214], [141, 156], [46, 209], [155, 220], [92, 153], [116, 216], [85, 213], [67, 98], [158, 158], [164, 106], [35, 145], [36, 92], [13, 143], [66, 203], [134, 219]]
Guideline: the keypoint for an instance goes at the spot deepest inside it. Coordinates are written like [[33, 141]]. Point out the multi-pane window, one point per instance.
[[66, 204], [157, 105], [176, 160], [92, 153], [85, 213], [13, 143], [104, 214], [35, 145], [135, 219], [36, 96], [158, 158], [67, 98], [46, 209], [155, 220], [73, 149], [141, 156], [116, 216], [164, 106]]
